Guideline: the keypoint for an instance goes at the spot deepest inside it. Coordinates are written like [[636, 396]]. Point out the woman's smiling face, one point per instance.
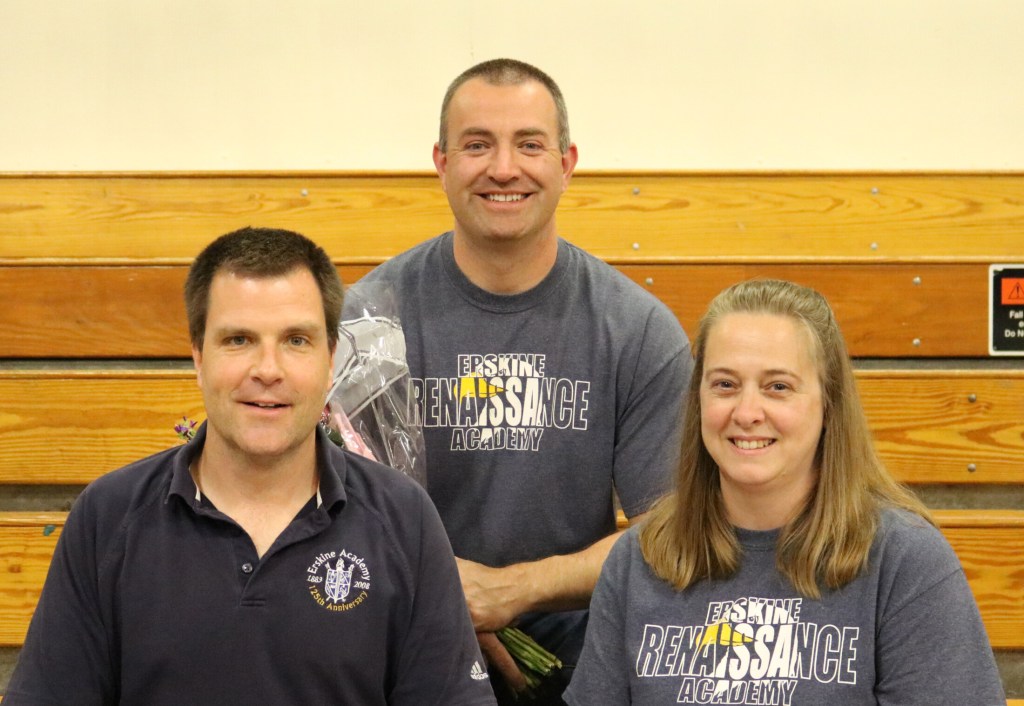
[[761, 415]]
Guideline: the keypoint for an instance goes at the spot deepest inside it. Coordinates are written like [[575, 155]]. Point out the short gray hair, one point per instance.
[[508, 72]]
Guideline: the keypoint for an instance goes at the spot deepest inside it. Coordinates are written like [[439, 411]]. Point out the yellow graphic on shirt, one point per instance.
[[723, 634], [476, 385]]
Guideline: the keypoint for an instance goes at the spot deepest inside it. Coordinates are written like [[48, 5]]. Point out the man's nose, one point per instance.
[[266, 367], [504, 165]]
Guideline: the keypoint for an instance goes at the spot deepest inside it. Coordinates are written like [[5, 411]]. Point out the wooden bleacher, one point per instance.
[[94, 369]]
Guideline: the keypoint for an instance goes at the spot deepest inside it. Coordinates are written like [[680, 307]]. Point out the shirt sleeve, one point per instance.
[[601, 675], [66, 655], [439, 661], [649, 424], [932, 647]]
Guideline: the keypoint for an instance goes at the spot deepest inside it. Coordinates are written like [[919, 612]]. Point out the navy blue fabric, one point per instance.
[[155, 597]]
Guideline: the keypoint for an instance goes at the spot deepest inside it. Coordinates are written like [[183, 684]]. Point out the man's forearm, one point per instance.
[[496, 596], [562, 582]]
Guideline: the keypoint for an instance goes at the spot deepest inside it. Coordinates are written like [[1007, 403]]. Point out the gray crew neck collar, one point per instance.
[[503, 303]]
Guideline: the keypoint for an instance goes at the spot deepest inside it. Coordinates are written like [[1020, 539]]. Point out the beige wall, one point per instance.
[[651, 84]]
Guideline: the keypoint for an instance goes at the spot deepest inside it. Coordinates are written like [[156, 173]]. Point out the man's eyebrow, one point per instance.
[[532, 132], [306, 327], [228, 331], [475, 132], [303, 327], [484, 132]]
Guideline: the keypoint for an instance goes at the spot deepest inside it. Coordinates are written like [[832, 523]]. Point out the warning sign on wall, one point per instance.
[[1006, 310]]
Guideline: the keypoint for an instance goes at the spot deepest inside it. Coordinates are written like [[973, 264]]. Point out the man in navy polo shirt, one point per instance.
[[259, 563]]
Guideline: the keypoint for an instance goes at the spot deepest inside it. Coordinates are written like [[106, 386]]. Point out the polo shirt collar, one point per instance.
[[181, 480], [332, 463], [330, 460]]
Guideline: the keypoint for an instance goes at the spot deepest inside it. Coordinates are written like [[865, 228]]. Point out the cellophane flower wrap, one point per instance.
[[370, 409]]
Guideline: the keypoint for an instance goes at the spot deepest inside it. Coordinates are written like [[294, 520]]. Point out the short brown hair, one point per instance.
[[261, 252], [507, 72]]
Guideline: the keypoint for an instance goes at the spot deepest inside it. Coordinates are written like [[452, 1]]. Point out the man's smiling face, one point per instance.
[[265, 364], [503, 171]]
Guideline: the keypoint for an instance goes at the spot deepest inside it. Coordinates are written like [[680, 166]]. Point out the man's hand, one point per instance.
[[492, 595], [496, 597], [498, 658]]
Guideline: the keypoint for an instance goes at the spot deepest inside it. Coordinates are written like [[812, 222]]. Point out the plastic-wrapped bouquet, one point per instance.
[[370, 410]]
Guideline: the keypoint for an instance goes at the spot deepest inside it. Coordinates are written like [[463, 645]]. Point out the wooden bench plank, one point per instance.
[[885, 310], [27, 542], [71, 312], [98, 312], [69, 427], [989, 543], [990, 546], [365, 218], [947, 426]]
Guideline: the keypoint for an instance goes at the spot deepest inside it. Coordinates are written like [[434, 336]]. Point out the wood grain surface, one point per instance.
[[27, 541], [947, 426], [990, 546], [918, 310], [621, 217], [68, 428]]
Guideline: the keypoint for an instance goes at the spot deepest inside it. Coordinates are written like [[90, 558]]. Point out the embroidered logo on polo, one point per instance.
[[338, 581], [503, 401]]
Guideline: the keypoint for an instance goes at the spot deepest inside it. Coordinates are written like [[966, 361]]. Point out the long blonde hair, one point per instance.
[[688, 537]]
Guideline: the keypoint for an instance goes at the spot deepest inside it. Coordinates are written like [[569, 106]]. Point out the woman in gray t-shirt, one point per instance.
[[788, 567]]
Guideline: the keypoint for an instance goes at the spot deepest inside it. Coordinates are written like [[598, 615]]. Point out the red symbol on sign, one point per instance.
[[1013, 291]]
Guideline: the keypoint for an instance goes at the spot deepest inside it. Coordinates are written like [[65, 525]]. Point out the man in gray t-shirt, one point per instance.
[[547, 381]]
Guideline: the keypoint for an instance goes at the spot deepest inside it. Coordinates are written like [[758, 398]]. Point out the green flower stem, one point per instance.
[[534, 661]]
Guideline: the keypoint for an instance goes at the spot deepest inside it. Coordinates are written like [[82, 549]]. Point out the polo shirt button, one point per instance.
[[246, 568]]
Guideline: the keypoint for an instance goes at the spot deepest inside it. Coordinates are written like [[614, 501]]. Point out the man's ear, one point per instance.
[[330, 373], [197, 361], [569, 160], [440, 164]]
